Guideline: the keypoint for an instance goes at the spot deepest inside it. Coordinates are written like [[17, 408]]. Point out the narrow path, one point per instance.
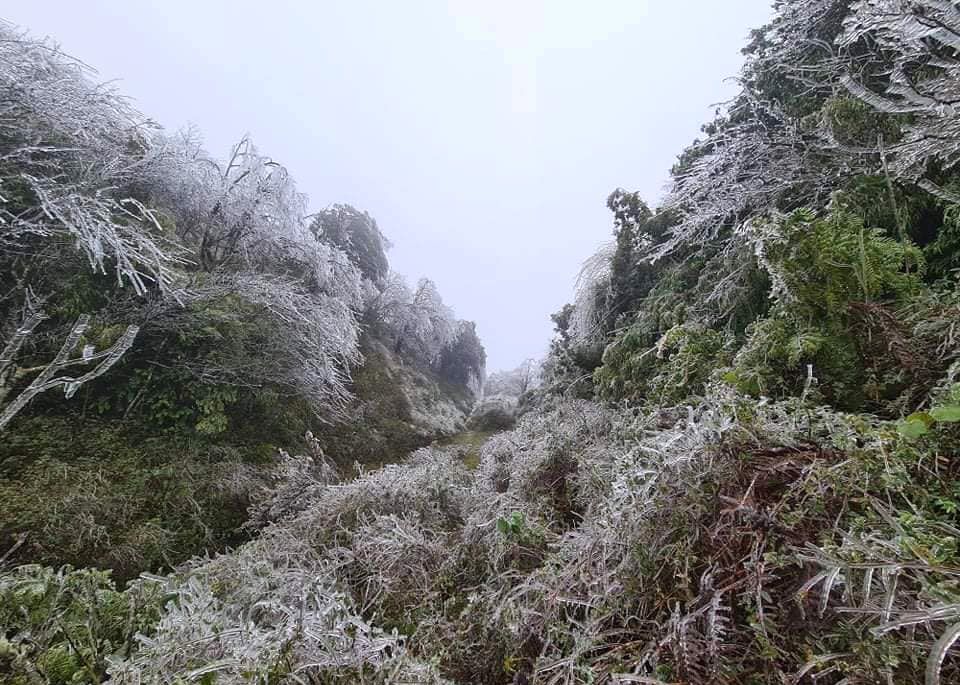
[[472, 440]]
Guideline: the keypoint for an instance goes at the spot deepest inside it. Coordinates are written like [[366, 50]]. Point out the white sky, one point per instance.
[[484, 136]]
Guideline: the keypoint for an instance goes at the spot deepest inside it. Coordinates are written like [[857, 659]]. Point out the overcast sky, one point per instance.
[[483, 135]]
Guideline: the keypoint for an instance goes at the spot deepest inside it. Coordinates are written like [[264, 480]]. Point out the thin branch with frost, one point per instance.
[[33, 316], [918, 40], [105, 229], [315, 340], [244, 211], [48, 378], [591, 300], [68, 147], [418, 322], [745, 166]]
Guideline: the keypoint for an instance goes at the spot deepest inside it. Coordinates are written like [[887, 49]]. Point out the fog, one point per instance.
[[484, 137]]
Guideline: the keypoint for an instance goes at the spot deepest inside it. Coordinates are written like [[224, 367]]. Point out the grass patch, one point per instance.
[[472, 441]]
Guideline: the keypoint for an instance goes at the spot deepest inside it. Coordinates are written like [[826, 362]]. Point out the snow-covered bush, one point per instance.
[[272, 610], [429, 487], [493, 414], [704, 544]]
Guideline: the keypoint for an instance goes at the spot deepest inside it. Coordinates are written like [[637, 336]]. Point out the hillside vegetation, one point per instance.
[[170, 320], [737, 464]]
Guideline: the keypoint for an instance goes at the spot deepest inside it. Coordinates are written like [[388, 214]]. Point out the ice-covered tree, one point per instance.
[[244, 212], [464, 360], [514, 382], [385, 304], [589, 319], [69, 149], [357, 235], [915, 73], [415, 322], [243, 222]]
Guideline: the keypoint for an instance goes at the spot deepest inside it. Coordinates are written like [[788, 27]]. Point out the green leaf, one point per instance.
[[912, 428], [731, 378], [503, 526], [947, 414]]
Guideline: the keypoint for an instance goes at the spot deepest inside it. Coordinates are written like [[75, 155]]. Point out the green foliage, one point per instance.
[[512, 526], [916, 425], [100, 494], [627, 363], [464, 361], [833, 277], [854, 123], [189, 380], [676, 368], [80, 292], [687, 355], [61, 626], [943, 253], [946, 414], [523, 540], [828, 273], [822, 265], [172, 400], [636, 353], [778, 349], [920, 424], [630, 277], [899, 210]]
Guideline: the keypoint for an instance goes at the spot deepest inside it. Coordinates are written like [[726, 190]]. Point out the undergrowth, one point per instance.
[[738, 542]]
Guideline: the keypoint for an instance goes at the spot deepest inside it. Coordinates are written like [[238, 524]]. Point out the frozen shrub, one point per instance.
[[429, 489], [296, 480], [273, 609], [396, 568], [493, 414], [62, 626]]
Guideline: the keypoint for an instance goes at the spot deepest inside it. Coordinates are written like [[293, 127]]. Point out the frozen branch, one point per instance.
[[48, 378]]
